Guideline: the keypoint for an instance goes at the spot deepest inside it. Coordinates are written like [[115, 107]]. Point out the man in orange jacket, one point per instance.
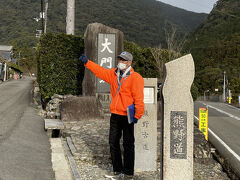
[[126, 89]]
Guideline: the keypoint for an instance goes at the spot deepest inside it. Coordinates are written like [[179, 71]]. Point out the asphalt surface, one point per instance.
[[225, 127], [224, 122], [24, 146]]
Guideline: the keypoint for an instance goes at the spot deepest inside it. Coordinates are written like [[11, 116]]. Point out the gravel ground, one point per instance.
[[93, 158], [90, 138]]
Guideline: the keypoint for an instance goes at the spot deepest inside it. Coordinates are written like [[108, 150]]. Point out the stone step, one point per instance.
[[53, 127]]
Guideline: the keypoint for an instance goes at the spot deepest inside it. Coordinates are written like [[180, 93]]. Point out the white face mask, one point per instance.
[[121, 66]]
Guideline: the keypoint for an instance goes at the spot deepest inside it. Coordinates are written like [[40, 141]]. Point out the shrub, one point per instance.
[[59, 70], [143, 60], [194, 92]]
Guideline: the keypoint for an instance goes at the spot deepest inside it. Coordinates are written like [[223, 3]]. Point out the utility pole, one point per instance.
[[45, 16], [224, 86], [42, 16], [204, 95], [70, 19], [5, 72]]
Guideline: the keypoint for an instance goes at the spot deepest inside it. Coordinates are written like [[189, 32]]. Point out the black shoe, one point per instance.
[[114, 176]]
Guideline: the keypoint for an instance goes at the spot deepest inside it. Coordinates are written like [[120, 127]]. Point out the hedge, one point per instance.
[[59, 70]]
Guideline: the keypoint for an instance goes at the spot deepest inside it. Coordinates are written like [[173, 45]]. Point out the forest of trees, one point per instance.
[[148, 26], [215, 46], [141, 21]]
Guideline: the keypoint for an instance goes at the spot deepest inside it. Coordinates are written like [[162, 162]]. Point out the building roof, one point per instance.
[[6, 48], [6, 55]]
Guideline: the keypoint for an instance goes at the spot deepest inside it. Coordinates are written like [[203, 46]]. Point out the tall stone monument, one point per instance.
[[146, 130], [178, 119], [102, 45]]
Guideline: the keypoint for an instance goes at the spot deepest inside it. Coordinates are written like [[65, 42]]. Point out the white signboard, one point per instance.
[[149, 95]]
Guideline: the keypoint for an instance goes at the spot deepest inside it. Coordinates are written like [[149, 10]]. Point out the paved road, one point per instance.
[[24, 147], [224, 121]]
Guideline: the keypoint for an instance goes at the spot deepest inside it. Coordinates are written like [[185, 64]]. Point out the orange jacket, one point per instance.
[[131, 90]]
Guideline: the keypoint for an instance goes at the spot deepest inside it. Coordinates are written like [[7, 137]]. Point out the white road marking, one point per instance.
[[221, 111], [223, 143]]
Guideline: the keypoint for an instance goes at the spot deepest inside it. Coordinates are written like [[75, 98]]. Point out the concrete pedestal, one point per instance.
[[146, 130]]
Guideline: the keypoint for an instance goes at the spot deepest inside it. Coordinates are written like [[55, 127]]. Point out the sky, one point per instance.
[[200, 6]]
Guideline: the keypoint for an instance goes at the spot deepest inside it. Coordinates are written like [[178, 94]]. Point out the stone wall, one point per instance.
[[79, 108], [70, 108], [52, 110]]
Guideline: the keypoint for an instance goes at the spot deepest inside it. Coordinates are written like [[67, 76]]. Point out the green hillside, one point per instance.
[[215, 46], [142, 21]]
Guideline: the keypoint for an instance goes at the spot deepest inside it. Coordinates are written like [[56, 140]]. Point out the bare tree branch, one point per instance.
[[174, 45], [173, 51]]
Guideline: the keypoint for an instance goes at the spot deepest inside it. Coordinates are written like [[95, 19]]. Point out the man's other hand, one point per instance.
[[135, 120]]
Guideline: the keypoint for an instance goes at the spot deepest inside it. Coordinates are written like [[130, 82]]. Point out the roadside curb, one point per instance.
[[71, 145], [237, 108], [60, 163], [69, 148]]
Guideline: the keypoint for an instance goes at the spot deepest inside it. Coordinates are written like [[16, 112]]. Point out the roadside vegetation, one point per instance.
[[214, 44]]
